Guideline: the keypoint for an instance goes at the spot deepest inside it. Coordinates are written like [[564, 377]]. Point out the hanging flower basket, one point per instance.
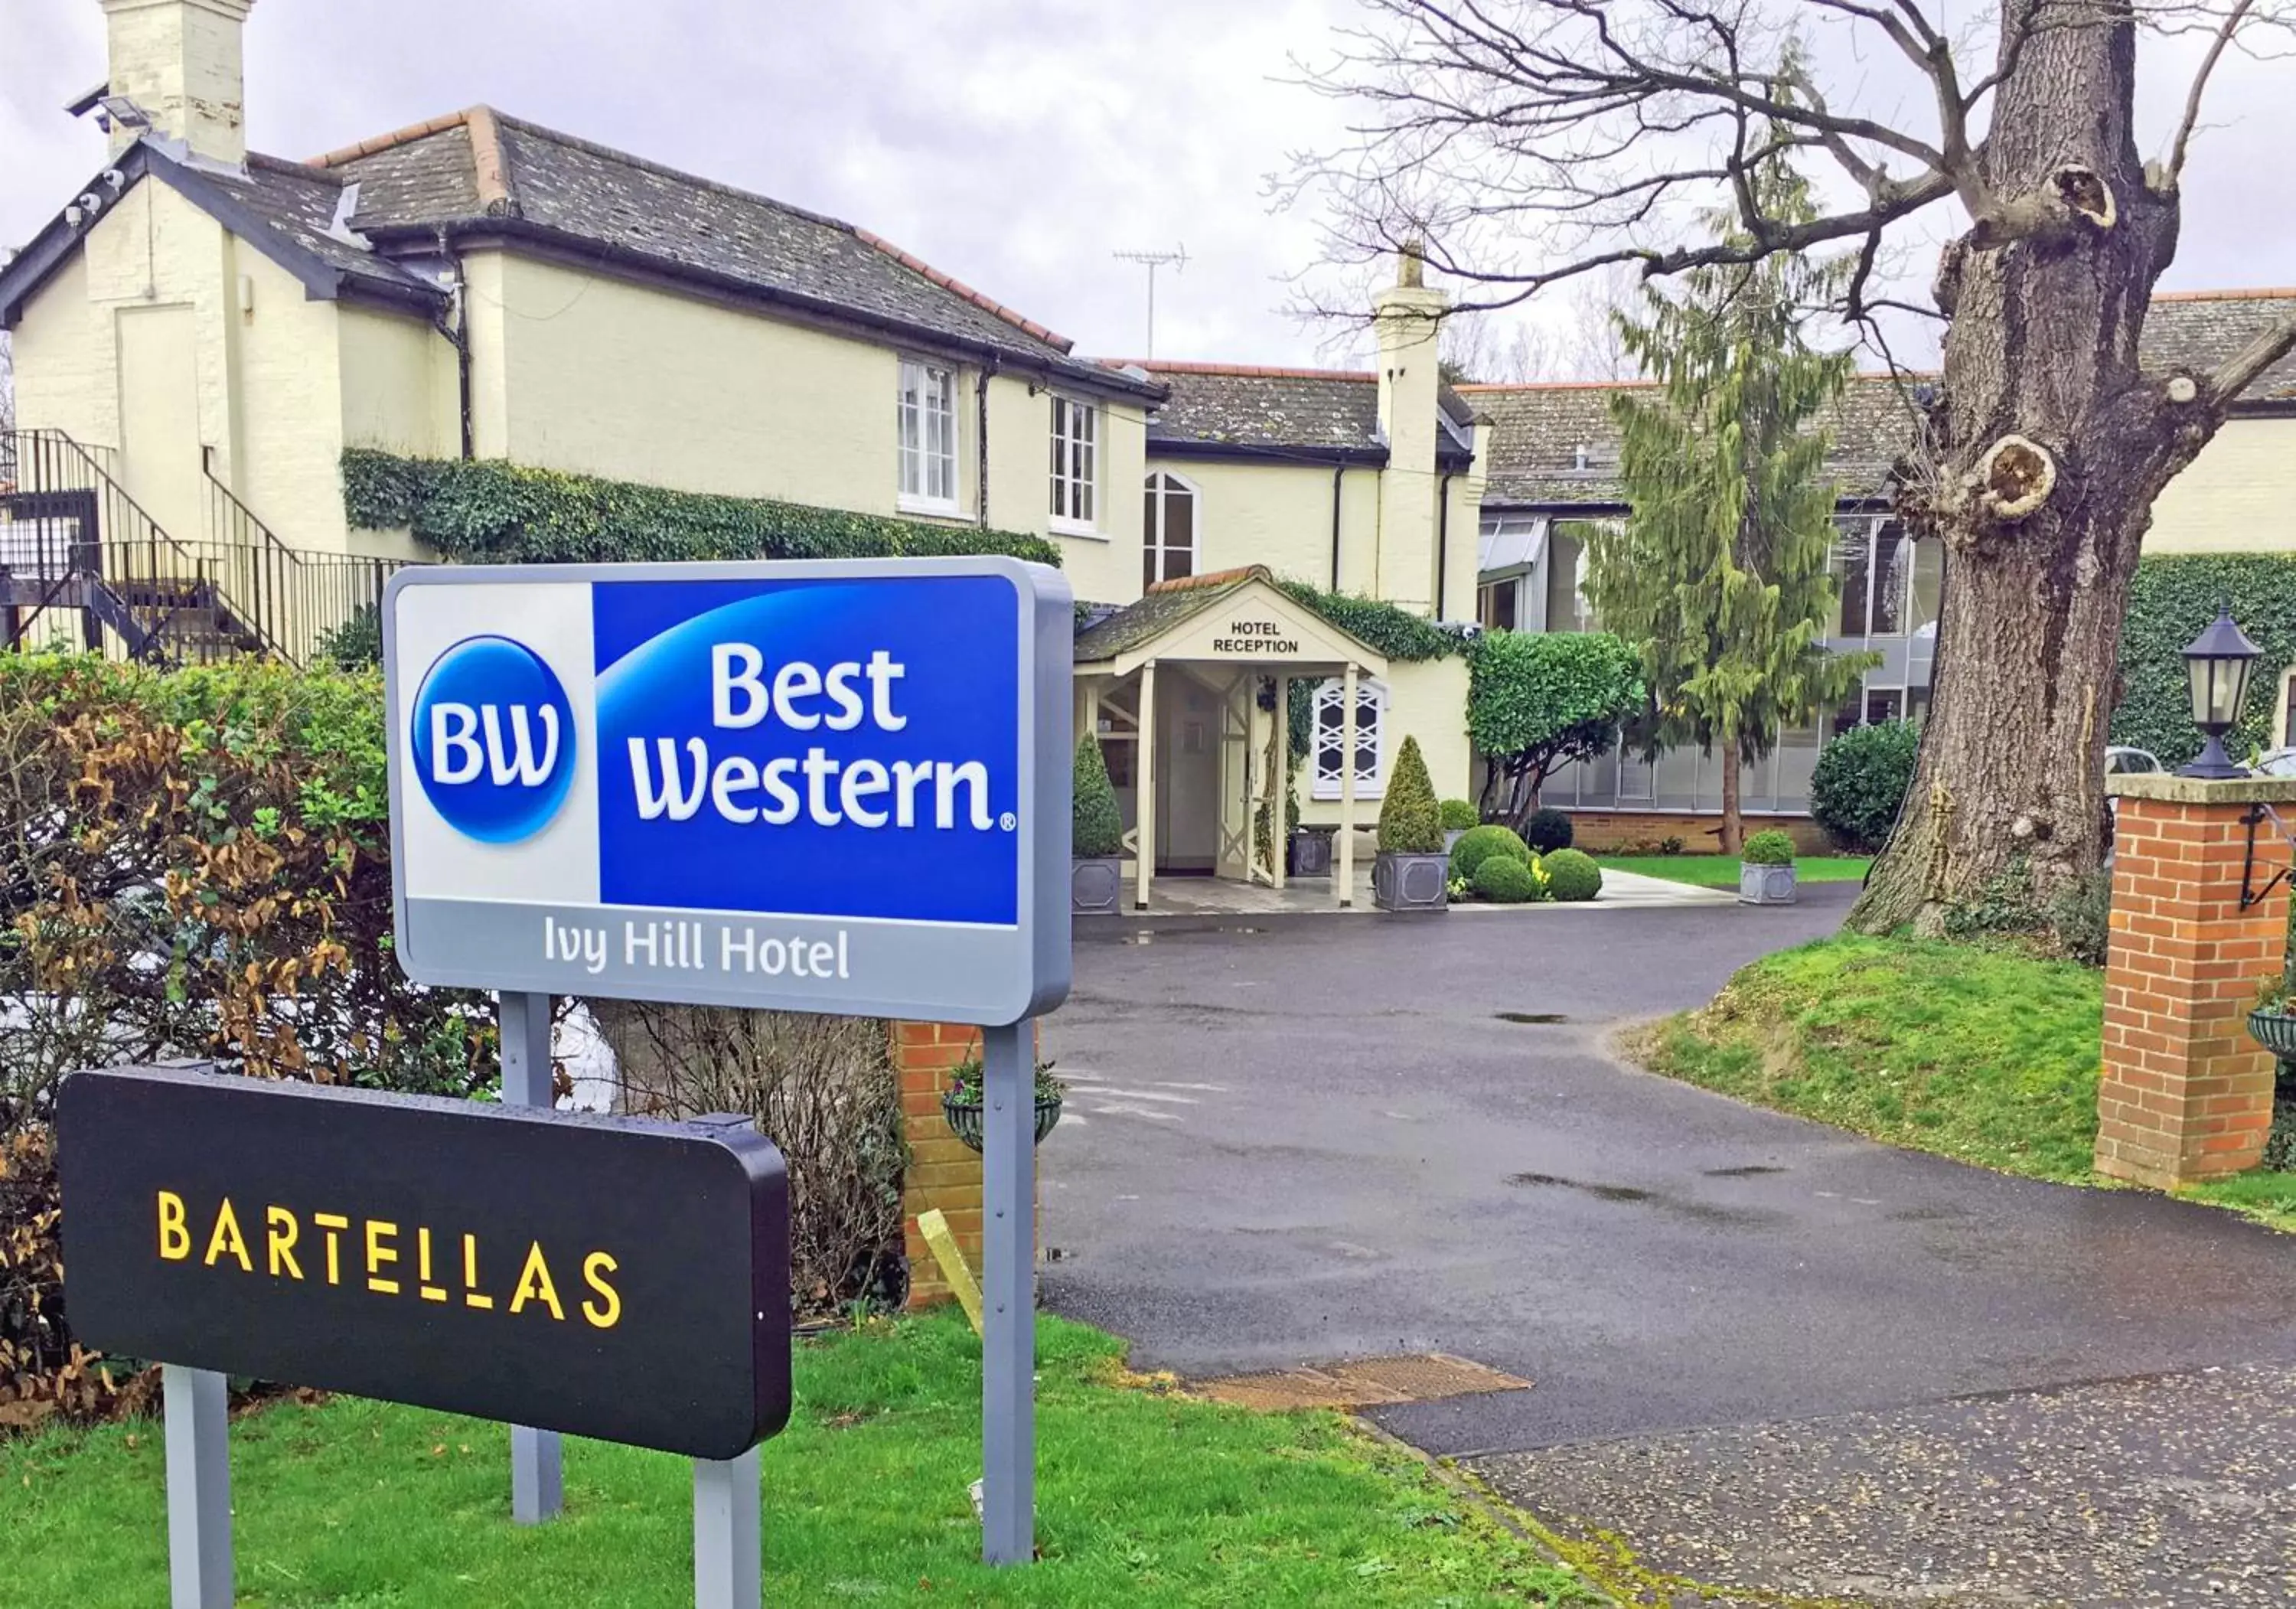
[[964, 1114], [2273, 1029]]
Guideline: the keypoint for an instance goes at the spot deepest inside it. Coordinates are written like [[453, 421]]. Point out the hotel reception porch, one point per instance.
[[1190, 692]]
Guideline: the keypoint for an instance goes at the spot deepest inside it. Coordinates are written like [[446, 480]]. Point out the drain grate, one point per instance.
[[1364, 1382]]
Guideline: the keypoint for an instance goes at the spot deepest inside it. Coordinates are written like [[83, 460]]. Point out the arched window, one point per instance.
[[1168, 531]]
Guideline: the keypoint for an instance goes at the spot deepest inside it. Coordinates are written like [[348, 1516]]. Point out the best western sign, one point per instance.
[[603, 1276], [812, 786]]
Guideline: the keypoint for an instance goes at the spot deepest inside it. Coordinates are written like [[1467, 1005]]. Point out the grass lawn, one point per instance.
[[1144, 1498], [1983, 1054], [1721, 871]]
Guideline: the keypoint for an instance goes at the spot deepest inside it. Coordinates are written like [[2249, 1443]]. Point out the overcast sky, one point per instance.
[[1015, 144]]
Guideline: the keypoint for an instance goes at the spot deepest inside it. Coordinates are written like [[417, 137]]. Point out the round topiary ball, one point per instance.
[[1503, 879], [1573, 875], [1479, 845], [1547, 831]]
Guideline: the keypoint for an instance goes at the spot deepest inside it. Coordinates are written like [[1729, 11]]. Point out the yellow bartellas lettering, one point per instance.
[[280, 1230], [228, 1241], [377, 1254], [174, 1236], [334, 1224], [606, 1314], [534, 1284]]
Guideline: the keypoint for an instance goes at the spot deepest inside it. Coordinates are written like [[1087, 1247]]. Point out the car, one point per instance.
[[2122, 761], [2277, 762]]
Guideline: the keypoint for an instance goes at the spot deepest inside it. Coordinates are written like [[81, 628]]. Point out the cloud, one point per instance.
[[1015, 144]]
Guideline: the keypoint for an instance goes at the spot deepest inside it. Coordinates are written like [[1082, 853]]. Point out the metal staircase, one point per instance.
[[82, 562]]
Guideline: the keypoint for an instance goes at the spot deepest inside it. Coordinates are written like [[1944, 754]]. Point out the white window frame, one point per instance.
[[1371, 703], [925, 438], [1075, 481], [1151, 536]]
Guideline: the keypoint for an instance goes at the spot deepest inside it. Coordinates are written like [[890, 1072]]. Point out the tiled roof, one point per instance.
[[481, 165], [2201, 329], [1539, 431], [1248, 407], [300, 204], [1162, 607]]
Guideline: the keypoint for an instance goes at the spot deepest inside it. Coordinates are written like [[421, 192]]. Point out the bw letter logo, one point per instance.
[[494, 739]]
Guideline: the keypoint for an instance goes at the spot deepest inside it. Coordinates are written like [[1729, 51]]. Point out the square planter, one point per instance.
[[1765, 884], [1411, 883], [1310, 853], [1095, 885]]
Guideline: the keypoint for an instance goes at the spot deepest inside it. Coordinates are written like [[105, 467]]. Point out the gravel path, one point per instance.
[[2173, 1490]]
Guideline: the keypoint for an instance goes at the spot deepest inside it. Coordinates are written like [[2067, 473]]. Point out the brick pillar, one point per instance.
[[2186, 1094], [943, 1171]]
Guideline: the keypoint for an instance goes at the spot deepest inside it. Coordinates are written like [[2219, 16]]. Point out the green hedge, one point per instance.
[[1396, 633], [2171, 600], [490, 512]]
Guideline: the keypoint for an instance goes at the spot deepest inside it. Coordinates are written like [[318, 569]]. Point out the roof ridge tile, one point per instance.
[[988, 304]]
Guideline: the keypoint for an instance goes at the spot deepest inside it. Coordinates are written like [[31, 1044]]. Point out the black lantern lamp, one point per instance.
[[2219, 661]]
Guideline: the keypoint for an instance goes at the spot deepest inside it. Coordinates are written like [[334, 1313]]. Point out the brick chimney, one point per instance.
[[1406, 317], [179, 61]]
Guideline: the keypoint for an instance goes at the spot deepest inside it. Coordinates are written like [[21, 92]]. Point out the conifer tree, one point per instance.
[[1719, 574]]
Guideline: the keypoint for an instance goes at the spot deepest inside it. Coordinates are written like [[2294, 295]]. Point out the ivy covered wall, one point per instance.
[[486, 511], [2173, 599]]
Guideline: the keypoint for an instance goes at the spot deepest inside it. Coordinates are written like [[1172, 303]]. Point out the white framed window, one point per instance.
[[926, 416], [1169, 529], [1330, 747], [1076, 466]]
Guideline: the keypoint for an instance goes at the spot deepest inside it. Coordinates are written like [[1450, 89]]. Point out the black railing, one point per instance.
[[72, 540]]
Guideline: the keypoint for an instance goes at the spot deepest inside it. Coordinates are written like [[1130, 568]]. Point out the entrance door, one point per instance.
[[160, 416], [1187, 774]]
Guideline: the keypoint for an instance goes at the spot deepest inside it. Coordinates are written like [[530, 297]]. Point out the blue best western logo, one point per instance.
[[825, 786], [494, 739], [828, 747]]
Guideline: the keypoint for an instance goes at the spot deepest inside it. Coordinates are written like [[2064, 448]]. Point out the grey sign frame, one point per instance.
[[927, 970]]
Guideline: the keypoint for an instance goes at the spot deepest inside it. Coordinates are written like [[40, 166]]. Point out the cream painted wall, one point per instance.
[[66, 364], [2239, 496], [1254, 512], [288, 418], [1426, 699]]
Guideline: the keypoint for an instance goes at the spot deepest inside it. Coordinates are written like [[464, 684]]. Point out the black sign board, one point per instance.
[[603, 1276]]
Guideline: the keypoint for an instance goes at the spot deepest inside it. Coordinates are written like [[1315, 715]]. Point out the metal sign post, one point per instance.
[[1008, 1341], [538, 1477], [199, 1487], [728, 1540]]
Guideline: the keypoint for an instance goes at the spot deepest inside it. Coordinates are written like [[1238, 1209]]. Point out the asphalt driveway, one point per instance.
[[1319, 1138]]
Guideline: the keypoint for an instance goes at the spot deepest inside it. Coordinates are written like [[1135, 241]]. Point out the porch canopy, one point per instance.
[[1232, 629]]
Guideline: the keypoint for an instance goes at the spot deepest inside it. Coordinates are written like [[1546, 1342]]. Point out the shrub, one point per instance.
[[1097, 827], [1572, 875], [1860, 782], [1538, 701], [355, 644], [1457, 814], [1547, 831], [1479, 845], [823, 1088], [486, 511], [1503, 879], [1409, 821], [2171, 600], [1769, 848]]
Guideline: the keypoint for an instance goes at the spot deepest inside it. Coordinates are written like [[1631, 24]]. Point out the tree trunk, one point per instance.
[[1733, 820], [2044, 453]]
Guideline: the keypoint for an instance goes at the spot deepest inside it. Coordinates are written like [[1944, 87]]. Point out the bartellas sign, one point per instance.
[[804, 786], [604, 1277]]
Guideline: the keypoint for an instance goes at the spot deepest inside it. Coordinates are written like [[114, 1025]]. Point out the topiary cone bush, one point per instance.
[[1409, 822], [1097, 828]]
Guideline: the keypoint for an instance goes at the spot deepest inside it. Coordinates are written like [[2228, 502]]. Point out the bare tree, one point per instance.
[[1529, 142]]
